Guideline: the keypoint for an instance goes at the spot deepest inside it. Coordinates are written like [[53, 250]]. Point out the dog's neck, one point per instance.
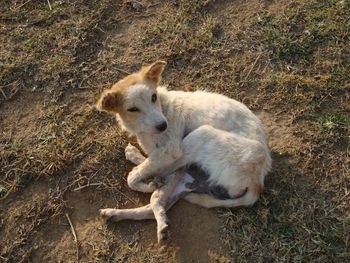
[[148, 142]]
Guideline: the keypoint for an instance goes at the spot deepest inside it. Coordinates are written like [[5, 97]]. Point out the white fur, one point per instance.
[[219, 134], [149, 114], [232, 123]]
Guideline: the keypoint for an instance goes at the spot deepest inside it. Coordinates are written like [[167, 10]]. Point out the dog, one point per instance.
[[209, 149]]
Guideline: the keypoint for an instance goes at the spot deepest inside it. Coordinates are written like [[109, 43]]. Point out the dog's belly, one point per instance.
[[200, 184], [196, 180]]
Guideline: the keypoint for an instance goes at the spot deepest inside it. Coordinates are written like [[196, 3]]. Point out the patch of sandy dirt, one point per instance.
[[18, 118]]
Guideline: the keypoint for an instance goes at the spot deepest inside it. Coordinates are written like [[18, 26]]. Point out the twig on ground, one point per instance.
[[251, 69], [72, 228], [122, 71], [9, 190], [3, 93], [13, 91], [89, 76], [74, 235], [48, 2], [26, 2], [120, 192], [87, 185], [75, 181], [126, 197]]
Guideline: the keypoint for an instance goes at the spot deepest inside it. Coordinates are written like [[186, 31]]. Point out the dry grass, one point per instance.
[[289, 62]]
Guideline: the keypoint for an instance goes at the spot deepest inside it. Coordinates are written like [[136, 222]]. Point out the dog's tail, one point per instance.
[[208, 201]]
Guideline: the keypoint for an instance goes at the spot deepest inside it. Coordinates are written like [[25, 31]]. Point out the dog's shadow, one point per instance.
[[296, 216], [291, 209]]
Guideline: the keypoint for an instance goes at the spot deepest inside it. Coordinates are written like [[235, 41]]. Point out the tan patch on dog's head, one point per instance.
[[152, 73], [111, 99]]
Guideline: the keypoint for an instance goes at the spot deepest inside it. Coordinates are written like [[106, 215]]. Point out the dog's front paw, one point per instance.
[[135, 182], [133, 154], [109, 214]]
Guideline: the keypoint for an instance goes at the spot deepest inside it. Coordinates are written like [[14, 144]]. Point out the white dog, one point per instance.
[[210, 148]]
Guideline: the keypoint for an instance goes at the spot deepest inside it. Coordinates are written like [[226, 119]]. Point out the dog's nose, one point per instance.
[[162, 127]]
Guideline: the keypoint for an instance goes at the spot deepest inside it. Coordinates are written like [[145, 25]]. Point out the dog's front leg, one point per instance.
[[133, 155], [161, 200], [136, 177], [149, 167]]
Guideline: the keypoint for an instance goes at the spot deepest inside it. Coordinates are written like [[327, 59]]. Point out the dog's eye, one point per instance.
[[154, 98], [133, 109]]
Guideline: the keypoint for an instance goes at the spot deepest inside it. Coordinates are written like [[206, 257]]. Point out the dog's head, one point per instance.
[[134, 99]]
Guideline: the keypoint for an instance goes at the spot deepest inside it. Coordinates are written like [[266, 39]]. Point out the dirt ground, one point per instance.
[[289, 61]]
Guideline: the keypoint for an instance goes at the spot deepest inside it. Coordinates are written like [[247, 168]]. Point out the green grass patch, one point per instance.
[[186, 29], [329, 122], [295, 35]]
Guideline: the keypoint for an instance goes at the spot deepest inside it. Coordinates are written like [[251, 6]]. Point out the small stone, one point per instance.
[[137, 6]]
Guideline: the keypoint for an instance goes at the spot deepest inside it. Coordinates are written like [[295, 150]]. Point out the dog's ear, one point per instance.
[[154, 71], [109, 101]]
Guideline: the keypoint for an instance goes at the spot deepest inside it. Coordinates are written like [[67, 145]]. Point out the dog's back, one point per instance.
[[204, 108]]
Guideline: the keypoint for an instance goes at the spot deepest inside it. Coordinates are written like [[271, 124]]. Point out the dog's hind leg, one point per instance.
[[158, 204], [140, 213], [162, 199]]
